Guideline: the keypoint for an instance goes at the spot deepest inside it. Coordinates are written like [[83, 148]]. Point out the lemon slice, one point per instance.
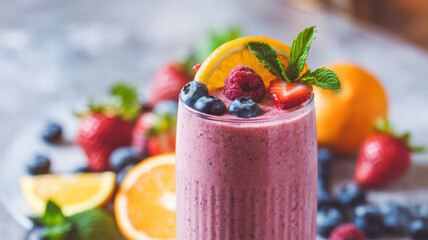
[[73, 193]]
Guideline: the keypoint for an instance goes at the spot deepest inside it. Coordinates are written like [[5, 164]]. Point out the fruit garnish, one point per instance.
[[345, 117], [145, 205], [196, 67], [210, 105], [244, 107], [383, 157], [228, 56], [287, 95], [192, 91], [108, 126], [347, 232], [243, 81], [74, 193], [87, 225], [322, 77]]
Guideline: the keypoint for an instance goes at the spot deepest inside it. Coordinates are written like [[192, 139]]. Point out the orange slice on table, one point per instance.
[[73, 193], [220, 63], [145, 203]]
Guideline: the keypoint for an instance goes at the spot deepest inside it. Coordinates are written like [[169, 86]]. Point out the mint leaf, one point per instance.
[[268, 57], [93, 224], [322, 77], [53, 215], [299, 52]]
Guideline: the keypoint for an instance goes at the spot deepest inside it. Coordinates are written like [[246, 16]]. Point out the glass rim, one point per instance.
[[289, 115]]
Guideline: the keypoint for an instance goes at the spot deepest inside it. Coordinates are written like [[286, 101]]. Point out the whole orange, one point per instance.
[[345, 117]]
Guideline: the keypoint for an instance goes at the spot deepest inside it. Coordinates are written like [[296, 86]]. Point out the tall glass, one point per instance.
[[246, 178]]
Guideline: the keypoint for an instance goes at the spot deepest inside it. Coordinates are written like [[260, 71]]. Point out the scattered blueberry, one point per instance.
[[39, 165], [85, 169], [396, 217], [328, 218], [166, 108], [419, 211], [36, 233], [244, 107], [121, 175], [192, 91], [369, 220], [418, 229], [124, 156], [52, 133], [210, 105], [325, 199], [351, 194]]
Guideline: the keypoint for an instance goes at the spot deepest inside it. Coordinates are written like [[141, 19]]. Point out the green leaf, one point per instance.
[[93, 224], [299, 52], [383, 125], [269, 58], [322, 77], [126, 93], [53, 215], [418, 149], [59, 231]]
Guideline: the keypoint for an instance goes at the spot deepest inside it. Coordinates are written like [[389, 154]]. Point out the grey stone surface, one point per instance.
[[61, 51]]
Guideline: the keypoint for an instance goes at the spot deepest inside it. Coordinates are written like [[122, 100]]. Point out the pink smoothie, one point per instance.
[[247, 178]]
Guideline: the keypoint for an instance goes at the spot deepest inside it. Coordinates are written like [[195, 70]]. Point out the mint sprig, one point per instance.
[[299, 52], [87, 225], [269, 58], [322, 77]]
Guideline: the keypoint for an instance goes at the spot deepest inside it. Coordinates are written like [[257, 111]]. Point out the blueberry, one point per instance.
[[36, 233], [328, 218], [52, 133], [369, 220], [121, 175], [351, 194], [418, 229], [396, 217], [325, 199], [85, 169], [324, 170], [192, 91], [124, 156], [166, 108], [210, 105], [244, 107], [39, 165]]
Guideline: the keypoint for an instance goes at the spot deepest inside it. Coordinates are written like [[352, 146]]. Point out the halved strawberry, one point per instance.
[[288, 95]]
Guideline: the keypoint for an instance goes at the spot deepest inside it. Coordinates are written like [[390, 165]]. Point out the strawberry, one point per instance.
[[107, 127], [288, 95], [383, 157], [167, 82], [154, 133]]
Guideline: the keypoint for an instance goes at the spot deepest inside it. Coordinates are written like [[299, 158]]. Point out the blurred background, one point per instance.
[[56, 53]]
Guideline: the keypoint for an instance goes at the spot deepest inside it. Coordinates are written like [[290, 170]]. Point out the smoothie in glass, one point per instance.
[[247, 178], [246, 147]]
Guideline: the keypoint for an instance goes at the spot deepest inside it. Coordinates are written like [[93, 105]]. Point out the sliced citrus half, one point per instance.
[[220, 63], [73, 193], [145, 203]]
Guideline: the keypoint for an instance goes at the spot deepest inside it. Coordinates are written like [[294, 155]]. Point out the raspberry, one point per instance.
[[243, 81], [347, 232]]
